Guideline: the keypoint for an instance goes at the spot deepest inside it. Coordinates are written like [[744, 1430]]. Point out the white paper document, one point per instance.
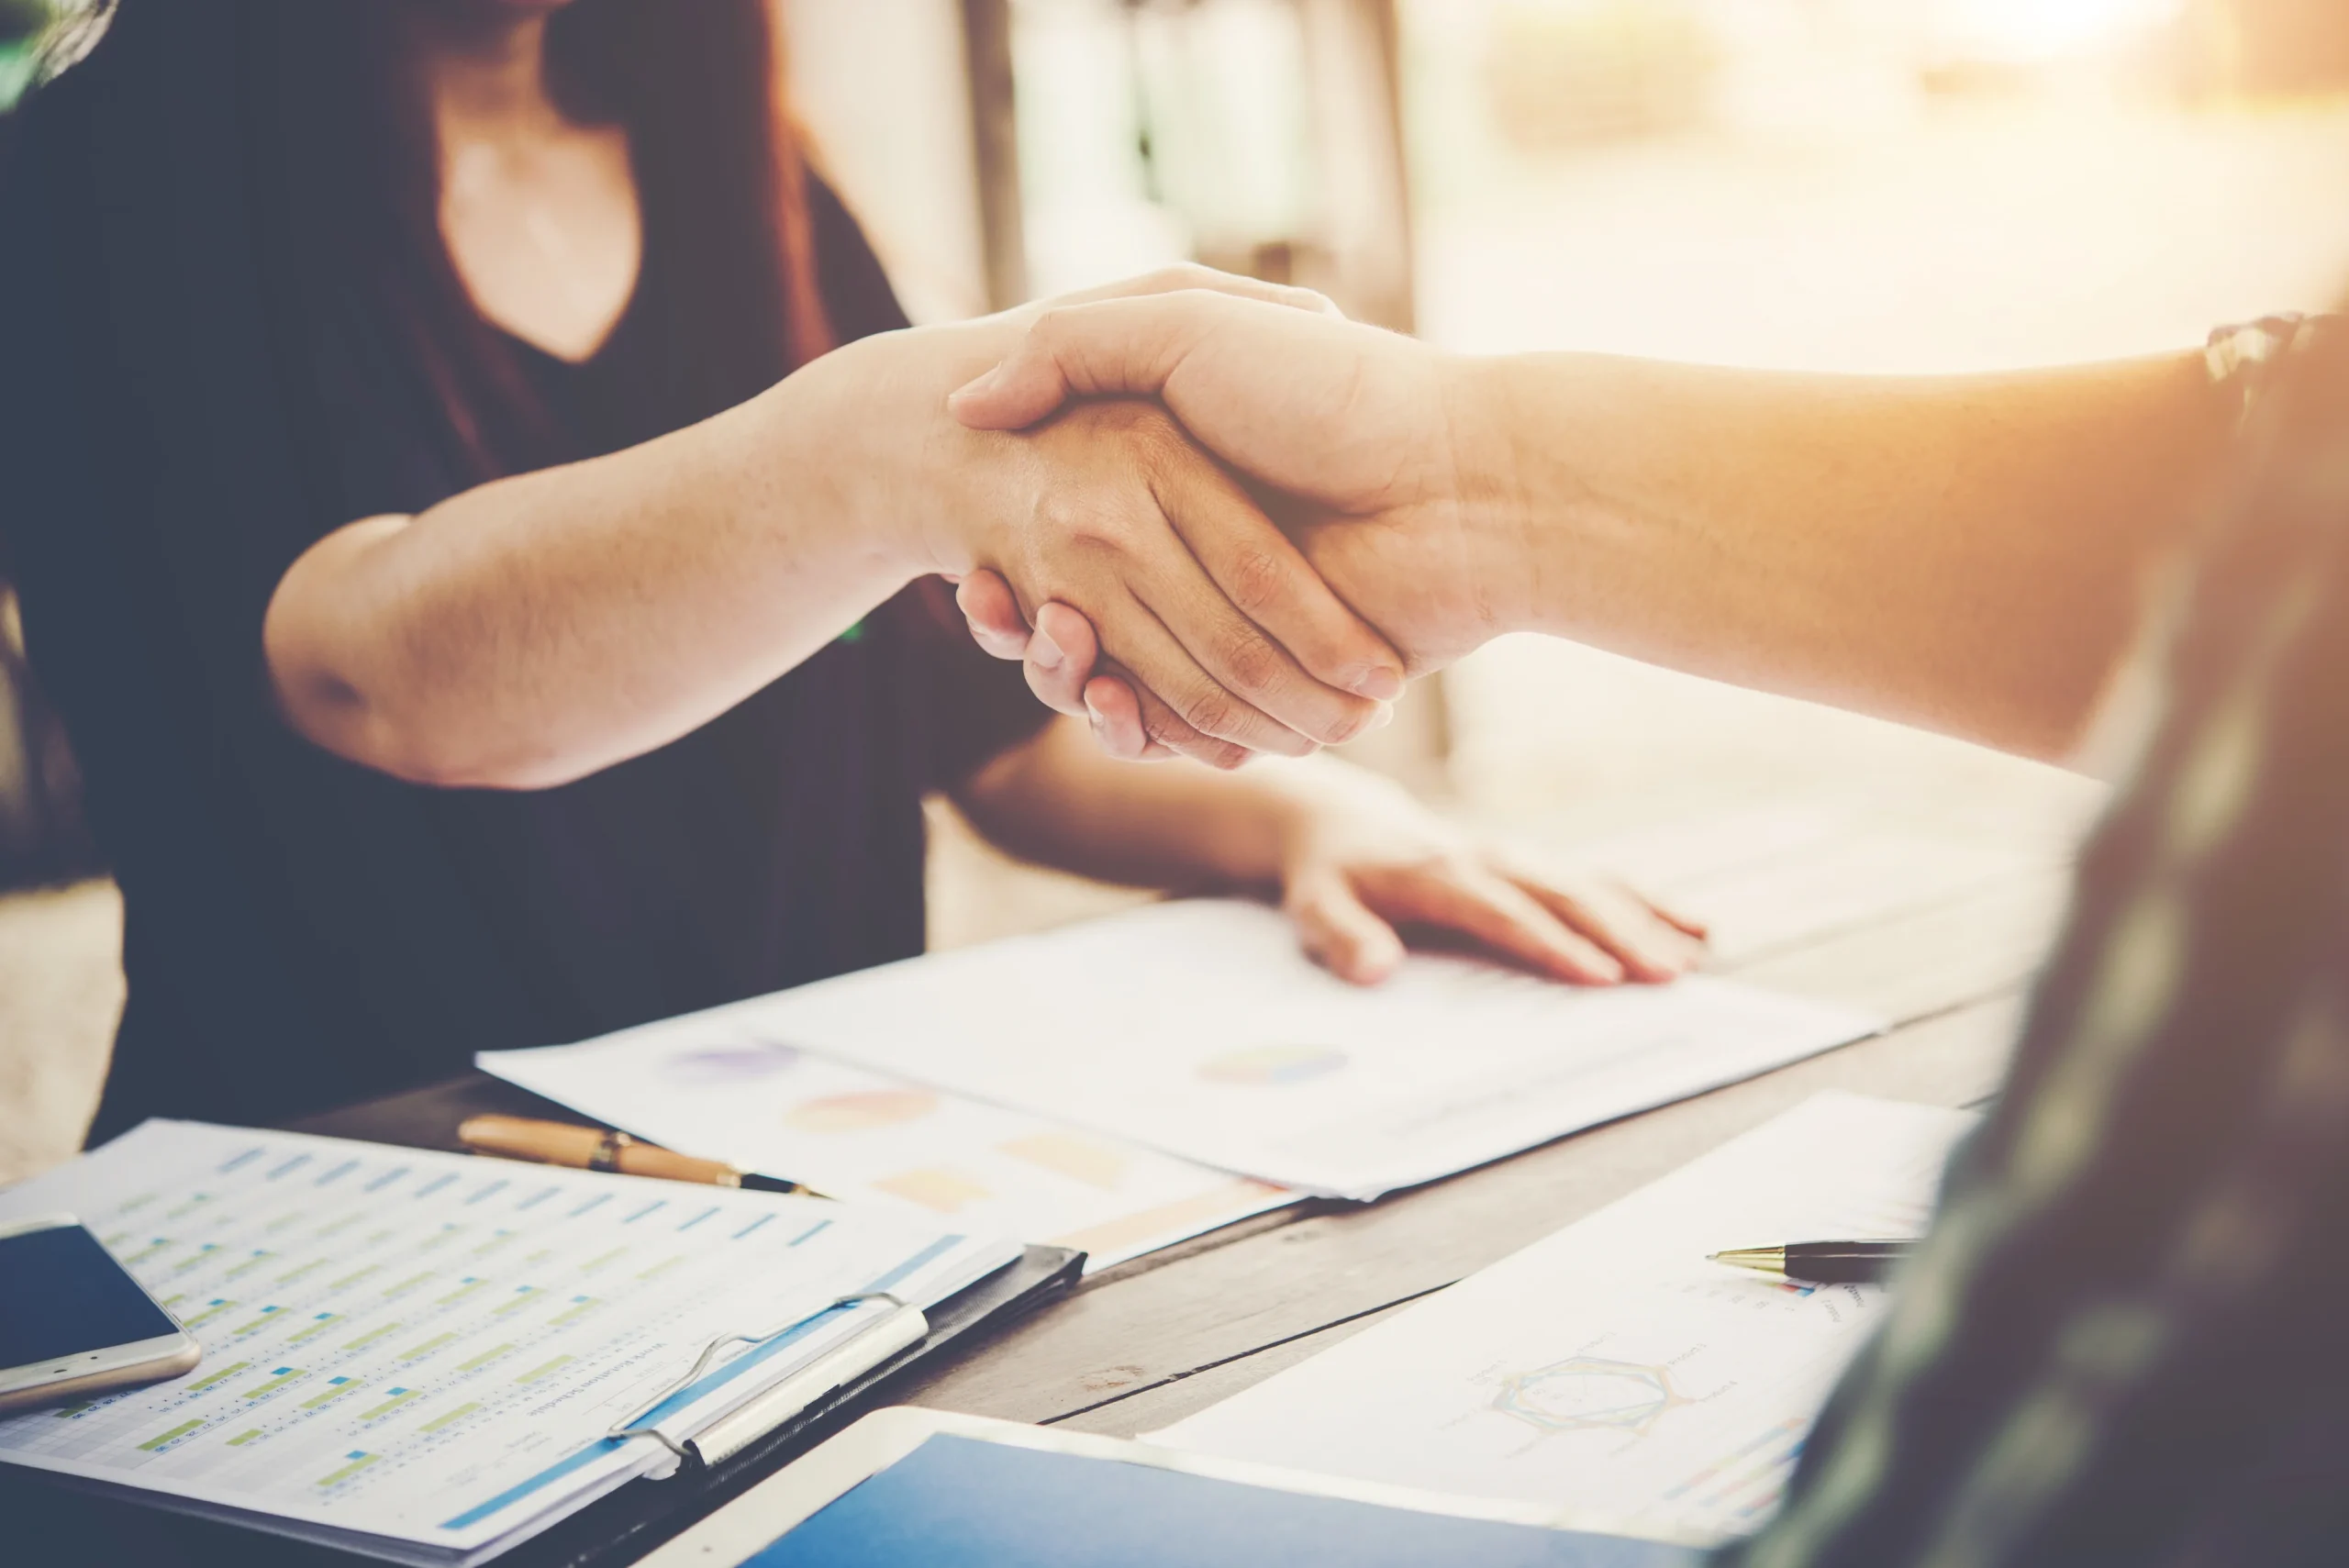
[[1768, 879], [1199, 1028], [418, 1355], [724, 1086], [1611, 1370]]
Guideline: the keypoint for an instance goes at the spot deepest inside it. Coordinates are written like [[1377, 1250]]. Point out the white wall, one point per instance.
[[881, 86]]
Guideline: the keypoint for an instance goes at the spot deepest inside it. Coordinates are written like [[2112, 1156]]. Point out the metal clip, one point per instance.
[[626, 1427]]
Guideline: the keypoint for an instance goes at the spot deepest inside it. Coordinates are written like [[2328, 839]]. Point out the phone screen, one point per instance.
[[62, 1295]]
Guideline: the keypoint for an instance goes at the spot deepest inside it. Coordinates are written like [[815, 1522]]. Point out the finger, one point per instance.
[[1113, 710], [1117, 719], [1131, 345], [1187, 275], [1211, 513], [1679, 919], [1121, 737], [1144, 728], [987, 602], [991, 402], [1171, 737], [1267, 579], [1341, 931], [1162, 666], [1650, 947], [1061, 656], [1500, 915]]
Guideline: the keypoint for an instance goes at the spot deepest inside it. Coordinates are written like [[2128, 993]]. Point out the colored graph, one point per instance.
[[944, 1191], [1273, 1066], [1590, 1392], [1748, 1482], [861, 1112], [715, 1066], [1069, 1156]]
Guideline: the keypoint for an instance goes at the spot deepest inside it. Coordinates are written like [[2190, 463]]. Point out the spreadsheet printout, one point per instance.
[[428, 1349]]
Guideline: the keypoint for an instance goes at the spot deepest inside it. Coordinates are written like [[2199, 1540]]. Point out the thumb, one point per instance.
[[1341, 931], [1130, 347]]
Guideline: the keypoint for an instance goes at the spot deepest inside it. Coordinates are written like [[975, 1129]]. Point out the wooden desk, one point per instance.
[[1153, 1339]]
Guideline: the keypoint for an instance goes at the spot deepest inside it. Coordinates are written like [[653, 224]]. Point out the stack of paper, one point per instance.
[[418, 1355], [1611, 1370], [725, 1086], [1199, 1028]]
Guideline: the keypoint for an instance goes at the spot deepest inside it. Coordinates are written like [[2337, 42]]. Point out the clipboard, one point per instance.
[[913, 1488], [68, 1527]]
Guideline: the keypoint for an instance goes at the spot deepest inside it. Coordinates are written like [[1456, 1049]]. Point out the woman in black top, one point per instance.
[[399, 758]]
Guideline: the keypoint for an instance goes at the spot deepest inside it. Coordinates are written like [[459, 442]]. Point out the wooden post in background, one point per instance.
[[995, 141], [1354, 65]]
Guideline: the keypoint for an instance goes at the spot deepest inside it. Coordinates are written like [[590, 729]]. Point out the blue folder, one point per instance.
[[960, 1503]]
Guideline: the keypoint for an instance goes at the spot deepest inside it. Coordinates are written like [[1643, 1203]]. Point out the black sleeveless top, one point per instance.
[[302, 932]]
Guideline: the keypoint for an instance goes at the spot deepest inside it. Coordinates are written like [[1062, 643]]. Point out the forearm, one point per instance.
[[537, 629], [1058, 801], [1965, 553]]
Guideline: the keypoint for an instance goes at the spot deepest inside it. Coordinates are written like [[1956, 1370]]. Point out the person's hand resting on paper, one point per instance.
[[1355, 862], [1370, 865]]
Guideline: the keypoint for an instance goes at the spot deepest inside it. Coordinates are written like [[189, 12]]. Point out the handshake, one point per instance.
[[1311, 527], [1311, 511]]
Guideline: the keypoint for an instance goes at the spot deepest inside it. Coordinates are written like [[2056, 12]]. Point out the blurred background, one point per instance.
[[1892, 185]]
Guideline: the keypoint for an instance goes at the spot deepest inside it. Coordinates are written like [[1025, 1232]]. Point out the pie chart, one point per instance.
[[861, 1112], [1075, 1158], [747, 1062], [1273, 1066], [943, 1191]]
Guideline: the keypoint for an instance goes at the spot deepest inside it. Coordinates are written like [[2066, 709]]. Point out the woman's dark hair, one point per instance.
[[344, 154]]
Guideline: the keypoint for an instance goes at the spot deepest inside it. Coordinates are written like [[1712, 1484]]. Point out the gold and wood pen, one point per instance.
[[600, 1149], [1821, 1262]]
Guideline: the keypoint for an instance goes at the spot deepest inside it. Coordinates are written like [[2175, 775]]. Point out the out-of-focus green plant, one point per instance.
[[21, 24], [20, 20]]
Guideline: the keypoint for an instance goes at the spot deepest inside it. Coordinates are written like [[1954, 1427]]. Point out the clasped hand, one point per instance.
[[1359, 443], [1360, 446], [1225, 640]]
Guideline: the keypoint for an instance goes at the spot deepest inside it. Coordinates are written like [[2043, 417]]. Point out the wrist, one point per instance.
[[1492, 512], [893, 466], [1312, 802]]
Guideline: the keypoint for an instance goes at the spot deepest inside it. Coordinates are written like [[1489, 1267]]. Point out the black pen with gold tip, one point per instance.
[[1821, 1262]]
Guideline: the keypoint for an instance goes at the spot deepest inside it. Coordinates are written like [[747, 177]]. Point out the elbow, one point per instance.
[[367, 689], [335, 716], [338, 717], [417, 742]]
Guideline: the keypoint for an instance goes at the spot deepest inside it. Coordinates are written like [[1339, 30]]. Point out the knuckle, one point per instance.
[[1211, 712], [1186, 275], [1251, 663], [1259, 580], [1067, 517], [1151, 430], [1353, 719], [1056, 510]]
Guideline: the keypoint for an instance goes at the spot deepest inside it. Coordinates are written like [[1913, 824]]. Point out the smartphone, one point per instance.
[[73, 1322]]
